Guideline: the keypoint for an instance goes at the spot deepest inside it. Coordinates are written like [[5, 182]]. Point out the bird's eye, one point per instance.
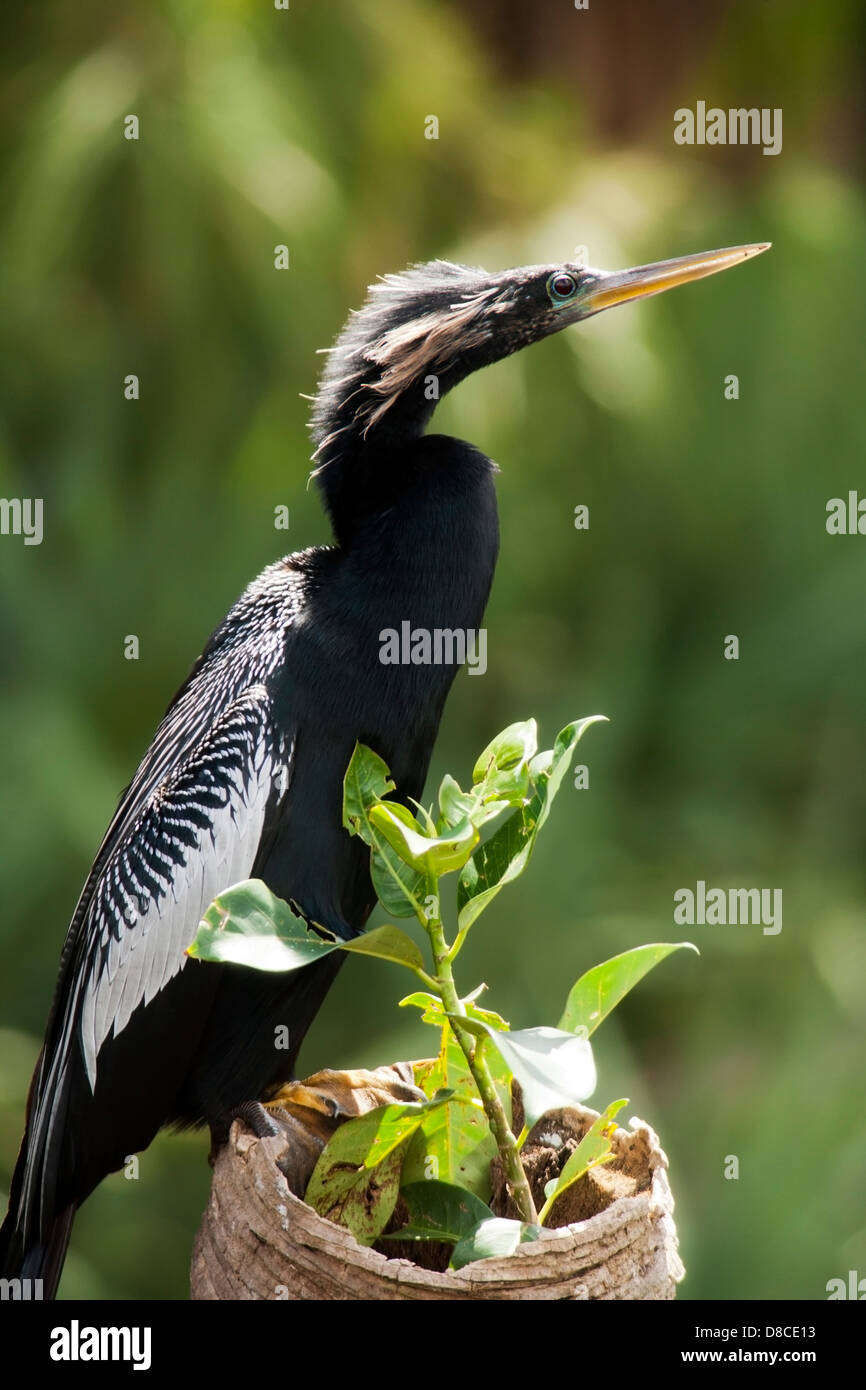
[[561, 286]]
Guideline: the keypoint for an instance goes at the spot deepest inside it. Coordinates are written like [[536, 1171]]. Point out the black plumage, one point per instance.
[[244, 775]]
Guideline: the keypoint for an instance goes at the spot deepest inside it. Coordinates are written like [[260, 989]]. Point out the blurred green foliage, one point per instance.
[[155, 257]]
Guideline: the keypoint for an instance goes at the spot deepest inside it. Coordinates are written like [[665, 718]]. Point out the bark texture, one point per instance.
[[258, 1240]]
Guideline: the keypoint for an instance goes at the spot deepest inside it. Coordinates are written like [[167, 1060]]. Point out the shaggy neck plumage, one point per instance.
[[416, 336]]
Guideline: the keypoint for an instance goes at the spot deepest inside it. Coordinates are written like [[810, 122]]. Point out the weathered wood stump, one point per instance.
[[617, 1240]]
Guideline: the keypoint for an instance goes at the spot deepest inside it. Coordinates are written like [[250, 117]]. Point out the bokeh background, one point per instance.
[[707, 518]]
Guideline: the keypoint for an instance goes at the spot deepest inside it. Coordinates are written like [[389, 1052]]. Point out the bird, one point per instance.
[[244, 775]]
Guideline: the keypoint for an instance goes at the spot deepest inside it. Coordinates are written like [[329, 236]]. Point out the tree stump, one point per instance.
[[616, 1240]]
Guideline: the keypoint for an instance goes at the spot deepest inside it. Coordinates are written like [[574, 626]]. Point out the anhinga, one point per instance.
[[244, 775]]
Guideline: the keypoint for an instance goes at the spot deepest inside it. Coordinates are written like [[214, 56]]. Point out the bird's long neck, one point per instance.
[[417, 524], [423, 563], [362, 465]]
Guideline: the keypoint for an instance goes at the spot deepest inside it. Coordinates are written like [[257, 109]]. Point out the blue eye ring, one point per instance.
[[561, 287]]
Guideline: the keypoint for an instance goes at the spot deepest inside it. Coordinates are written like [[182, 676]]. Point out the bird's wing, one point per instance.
[[194, 819], [198, 832], [244, 652]]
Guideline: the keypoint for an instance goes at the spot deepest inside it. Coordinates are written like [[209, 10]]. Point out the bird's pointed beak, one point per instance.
[[611, 288]]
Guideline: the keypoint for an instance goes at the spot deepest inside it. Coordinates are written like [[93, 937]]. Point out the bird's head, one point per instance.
[[421, 332]]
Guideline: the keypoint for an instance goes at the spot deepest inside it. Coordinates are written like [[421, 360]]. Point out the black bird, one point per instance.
[[244, 774]]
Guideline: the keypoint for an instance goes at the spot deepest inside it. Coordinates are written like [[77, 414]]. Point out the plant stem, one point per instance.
[[493, 1107]]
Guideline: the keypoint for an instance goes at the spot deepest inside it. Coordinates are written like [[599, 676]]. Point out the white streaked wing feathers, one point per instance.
[[198, 834]]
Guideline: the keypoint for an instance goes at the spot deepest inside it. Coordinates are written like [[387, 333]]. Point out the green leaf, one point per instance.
[[434, 1009], [249, 925], [432, 1006], [494, 1237], [600, 990], [475, 807], [398, 1122], [554, 1068], [502, 773], [513, 748], [357, 1177], [399, 887], [359, 1198], [432, 857], [454, 804], [506, 854], [455, 1144], [367, 780], [593, 1149], [487, 1016], [386, 943], [440, 1211], [428, 825]]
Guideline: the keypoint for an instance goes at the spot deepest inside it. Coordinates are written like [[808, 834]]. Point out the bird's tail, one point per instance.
[[35, 1233], [35, 1268]]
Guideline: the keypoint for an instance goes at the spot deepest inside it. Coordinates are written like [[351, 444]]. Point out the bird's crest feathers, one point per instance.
[[412, 324]]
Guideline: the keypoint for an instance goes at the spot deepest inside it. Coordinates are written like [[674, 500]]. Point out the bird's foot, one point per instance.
[[325, 1099], [306, 1113]]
